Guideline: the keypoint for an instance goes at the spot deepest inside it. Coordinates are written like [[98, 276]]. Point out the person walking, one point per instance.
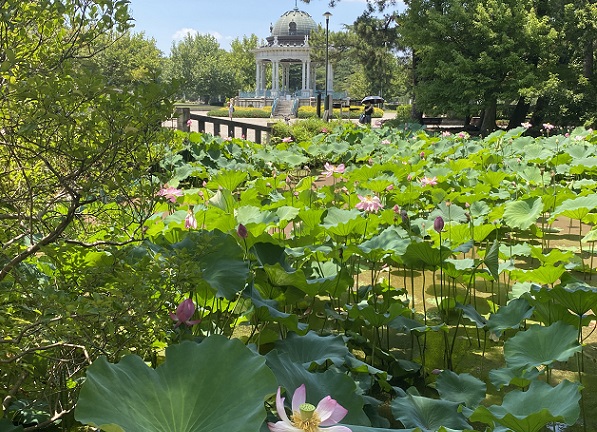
[[230, 108], [368, 112]]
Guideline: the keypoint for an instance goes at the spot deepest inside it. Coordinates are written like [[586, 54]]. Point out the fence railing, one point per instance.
[[262, 133]]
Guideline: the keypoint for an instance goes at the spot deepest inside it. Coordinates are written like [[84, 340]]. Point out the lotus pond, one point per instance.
[[406, 280]]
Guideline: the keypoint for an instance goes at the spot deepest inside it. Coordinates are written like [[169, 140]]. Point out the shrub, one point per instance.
[[306, 112], [404, 113], [243, 112]]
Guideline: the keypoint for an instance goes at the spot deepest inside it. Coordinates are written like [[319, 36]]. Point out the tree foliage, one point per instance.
[[76, 148], [202, 69]]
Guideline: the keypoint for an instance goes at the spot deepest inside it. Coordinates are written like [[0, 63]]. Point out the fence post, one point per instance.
[[183, 115]]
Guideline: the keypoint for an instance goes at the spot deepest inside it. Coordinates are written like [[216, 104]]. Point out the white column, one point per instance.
[[257, 75], [275, 76], [330, 79], [308, 78], [303, 76]]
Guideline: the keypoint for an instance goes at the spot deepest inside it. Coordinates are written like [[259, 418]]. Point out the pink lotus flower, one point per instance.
[[306, 417], [446, 134], [184, 313], [170, 193], [386, 141], [369, 204], [526, 125], [428, 181], [331, 169], [189, 123], [190, 221], [548, 126], [287, 139]]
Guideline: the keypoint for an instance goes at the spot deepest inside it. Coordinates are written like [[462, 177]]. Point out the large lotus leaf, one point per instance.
[[491, 260], [393, 240], [227, 179], [463, 388], [217, 385], [522, 214], [419, 255], [544, 275], [576, 208], [280, 277], [576, 296], [548, 312], [267, 310], [519, 377], [377, 317], [428, 414], [291, 375], [541, 345], [510, 316], [469, 311], [531, 410], [220, 259], [312, 348], [248, 215], [342, 222]]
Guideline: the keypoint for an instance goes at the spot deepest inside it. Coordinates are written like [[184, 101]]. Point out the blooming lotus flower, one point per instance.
[[331, 169], [428, 181], [189, 122], [184, 313], [369, 204], [386, 141], [446, 134], [526, 125], [287, 139], [306, 417], [170, 193], [190, 221], [548, 126]]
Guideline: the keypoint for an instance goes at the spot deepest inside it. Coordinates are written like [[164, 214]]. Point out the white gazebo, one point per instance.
[[287, 48]]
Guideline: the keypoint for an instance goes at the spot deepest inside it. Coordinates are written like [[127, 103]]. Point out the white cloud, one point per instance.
[[183, 32]]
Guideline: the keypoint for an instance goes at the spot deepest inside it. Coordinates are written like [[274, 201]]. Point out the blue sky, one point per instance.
[[168, 21]]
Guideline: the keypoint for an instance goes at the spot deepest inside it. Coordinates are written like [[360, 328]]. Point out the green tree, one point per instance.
[[242, 57], [471, 56], [201, 69], [76, 152], [130, 58]]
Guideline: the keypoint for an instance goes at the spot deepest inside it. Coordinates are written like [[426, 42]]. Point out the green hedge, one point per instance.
[[305, 112], [242, 112]]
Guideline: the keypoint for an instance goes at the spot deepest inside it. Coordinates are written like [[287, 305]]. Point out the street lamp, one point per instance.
[[326, 104]]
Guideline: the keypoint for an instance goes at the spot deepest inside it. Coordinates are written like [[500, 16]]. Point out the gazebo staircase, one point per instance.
[[283, 108]]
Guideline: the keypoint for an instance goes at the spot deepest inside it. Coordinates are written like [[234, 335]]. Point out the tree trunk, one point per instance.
[[415, 114], [538, 112], [488, 124], [589, 59], [519, 114]]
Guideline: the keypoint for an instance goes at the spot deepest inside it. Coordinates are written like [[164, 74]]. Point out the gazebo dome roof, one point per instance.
[[293, 23]]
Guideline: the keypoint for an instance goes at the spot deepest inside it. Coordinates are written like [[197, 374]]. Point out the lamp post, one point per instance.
[[326, 104]]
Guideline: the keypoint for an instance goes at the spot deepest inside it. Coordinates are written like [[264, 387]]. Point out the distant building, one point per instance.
[[287, 47]]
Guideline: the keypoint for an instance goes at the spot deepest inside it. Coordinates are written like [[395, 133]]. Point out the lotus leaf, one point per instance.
[[531, 410], [428, 414], [539, 346], [522, 214], [462, 388], [216, 385]]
